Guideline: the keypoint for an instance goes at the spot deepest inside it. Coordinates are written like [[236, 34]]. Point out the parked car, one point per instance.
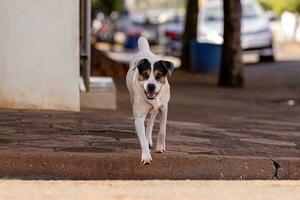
[[150, 23], [173, 31], [102, 28], [256, 35]]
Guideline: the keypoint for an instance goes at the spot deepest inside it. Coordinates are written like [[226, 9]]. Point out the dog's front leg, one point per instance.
[[140, 129], [149, 127], [161, 138]]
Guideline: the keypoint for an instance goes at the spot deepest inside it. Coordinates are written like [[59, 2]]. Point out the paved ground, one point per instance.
[[212, 133], [68, 145], [145, 190]]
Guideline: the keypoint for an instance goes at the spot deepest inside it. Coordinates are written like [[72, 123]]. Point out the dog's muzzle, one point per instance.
[[151, 95]]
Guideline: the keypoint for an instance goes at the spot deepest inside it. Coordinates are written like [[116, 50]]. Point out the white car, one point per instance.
[[256, 35]]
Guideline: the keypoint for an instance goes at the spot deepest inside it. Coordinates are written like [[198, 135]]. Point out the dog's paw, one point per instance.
[[146, 158], [160, 148]]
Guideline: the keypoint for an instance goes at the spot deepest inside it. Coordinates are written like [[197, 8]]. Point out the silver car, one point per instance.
[[256, 35]]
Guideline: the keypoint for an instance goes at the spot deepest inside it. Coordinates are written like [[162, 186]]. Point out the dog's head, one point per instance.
[[152, 72]]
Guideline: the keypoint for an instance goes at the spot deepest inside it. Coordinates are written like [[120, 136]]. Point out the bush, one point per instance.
[[278, 6]]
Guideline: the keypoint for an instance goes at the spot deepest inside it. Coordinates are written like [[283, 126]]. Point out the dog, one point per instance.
[[149, 89]]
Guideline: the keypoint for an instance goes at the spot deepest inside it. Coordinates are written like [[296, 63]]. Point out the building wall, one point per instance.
[[39, 54]]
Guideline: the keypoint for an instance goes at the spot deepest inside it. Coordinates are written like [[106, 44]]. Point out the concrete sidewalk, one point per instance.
[[69, 145], [150, 190]]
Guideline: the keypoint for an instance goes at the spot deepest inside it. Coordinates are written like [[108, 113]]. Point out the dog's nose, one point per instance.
[[151, 87]]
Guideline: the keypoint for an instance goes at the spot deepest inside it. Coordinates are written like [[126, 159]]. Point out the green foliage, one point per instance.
[[266, 4], [278, 6], [107, 6]]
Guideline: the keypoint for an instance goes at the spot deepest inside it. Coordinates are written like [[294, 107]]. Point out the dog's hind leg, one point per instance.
[[149, 127], [161, 138]]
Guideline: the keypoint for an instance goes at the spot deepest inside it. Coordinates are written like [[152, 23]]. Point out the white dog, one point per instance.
[[149, 93]]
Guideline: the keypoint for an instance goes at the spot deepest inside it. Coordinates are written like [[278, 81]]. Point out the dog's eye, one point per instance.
[[159, 75], [145, 75]]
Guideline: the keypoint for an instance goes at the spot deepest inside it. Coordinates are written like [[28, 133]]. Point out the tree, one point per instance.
[[231, 73], [190, 32]]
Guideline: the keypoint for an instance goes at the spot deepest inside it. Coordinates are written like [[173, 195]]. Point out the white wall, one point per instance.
[[39, 54]]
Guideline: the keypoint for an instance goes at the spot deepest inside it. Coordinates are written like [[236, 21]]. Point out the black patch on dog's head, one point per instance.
[[165, 67], [144, 67], [162, 69]]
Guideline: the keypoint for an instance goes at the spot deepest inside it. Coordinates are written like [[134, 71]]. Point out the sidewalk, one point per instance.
[[68, 145]]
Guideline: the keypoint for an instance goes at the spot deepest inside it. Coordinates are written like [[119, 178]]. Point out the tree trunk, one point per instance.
[[190, 32], [231, 74]]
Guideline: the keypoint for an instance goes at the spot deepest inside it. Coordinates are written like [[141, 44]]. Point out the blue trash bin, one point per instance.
[[131, 42], [205, 57]]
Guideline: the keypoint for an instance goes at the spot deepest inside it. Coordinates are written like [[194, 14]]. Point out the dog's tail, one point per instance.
[[143, 44]]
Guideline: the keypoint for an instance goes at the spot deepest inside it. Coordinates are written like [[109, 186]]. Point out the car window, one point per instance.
[[250, 11], [215, 14]]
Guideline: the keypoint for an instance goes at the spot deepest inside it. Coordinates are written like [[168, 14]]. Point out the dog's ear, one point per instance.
[[166, 65]]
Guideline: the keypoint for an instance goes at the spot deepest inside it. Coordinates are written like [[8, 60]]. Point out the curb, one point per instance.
[[122, 166]]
